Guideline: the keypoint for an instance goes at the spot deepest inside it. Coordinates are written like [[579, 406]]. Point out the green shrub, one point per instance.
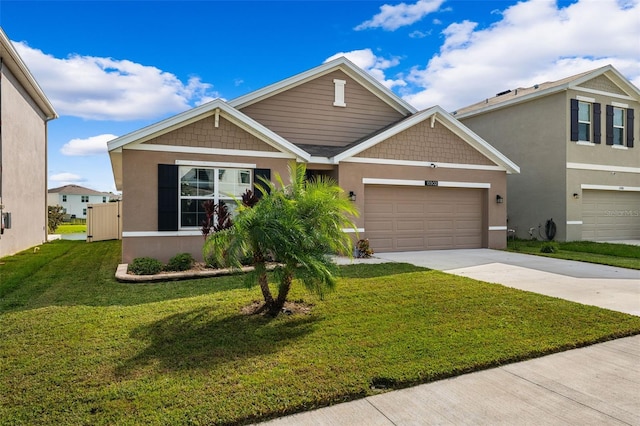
[[145, 266], [549, 248], [180, 262]]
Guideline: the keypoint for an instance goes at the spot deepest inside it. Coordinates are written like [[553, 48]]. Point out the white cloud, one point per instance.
[[93, 145], [108, 89], [373, 64], [65, 178], [391, 18], [535, 41]]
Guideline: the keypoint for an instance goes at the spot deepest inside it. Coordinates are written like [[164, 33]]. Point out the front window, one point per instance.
[[199, 184], [618, 126], [584, 121]]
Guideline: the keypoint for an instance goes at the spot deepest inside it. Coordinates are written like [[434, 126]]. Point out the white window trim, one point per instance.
[[620, 105], [623, 127], [590, 122], [585, 143], [586, 99], [217, 196]]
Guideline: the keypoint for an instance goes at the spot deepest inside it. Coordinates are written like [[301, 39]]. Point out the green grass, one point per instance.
[[620, 255], [77, 347], [71, 229]]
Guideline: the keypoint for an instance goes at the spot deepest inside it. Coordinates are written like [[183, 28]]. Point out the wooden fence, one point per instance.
[[104, 221]]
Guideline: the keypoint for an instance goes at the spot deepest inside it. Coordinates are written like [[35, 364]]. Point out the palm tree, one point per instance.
[[298, 224]]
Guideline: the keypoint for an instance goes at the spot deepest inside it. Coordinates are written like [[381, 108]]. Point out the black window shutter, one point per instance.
[[574, 119], [257, 174], [597, 124], [630, 128], [609, 125], [167, 197]]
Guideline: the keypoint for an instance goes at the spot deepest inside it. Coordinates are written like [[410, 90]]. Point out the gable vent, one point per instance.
[[503, 93], [339, 93]]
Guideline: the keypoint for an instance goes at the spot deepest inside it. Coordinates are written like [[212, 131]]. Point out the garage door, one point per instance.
[[610, 215], [422, 218]]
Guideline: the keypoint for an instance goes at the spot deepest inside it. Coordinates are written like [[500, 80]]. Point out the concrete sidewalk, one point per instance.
[[596, 385]]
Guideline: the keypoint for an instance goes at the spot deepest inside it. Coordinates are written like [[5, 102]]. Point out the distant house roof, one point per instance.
[[77, 190], [523, 94], [11, 59]]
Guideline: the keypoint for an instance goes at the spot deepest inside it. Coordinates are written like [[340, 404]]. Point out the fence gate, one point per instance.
[[104, 221]]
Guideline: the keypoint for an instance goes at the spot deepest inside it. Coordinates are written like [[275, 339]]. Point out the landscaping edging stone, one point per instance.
[[123, 276]]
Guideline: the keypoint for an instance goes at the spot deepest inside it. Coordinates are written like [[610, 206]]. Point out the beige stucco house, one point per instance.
[[24, 113], [420, 179], [574, 140]]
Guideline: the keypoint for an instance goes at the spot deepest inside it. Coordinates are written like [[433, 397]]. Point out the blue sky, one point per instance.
[[112, 67]]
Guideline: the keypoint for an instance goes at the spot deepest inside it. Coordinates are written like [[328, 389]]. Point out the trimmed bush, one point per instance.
[[145, 266], [180, 262]]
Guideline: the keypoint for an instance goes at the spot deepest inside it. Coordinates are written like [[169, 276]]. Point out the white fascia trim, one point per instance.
[[211, 151], [214, 164], [601, 93], [428, 164], [603, 168], [320, 160], [497, 228], [342, 64], [352, 230], [412, 182], [574, 222], [138, 234], [446, 120], [610, 187]]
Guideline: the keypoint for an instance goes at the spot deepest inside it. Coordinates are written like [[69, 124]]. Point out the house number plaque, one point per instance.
[[430, 183]]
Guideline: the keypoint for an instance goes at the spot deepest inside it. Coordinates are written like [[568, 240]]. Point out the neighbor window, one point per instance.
[[584, 121], [199, 184], [104, 199], [618, 126], [64, 198], [84, 198], [84, 212]]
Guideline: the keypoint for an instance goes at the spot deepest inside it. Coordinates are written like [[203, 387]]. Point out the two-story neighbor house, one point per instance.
[[420, 179], [575, 141], [24, 113], [75, 198]]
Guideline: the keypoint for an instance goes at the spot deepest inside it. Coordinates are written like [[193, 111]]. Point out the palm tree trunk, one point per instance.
[[261, 269], [283, 291]]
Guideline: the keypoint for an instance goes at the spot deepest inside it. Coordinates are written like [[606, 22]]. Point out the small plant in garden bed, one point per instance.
[[180, 262], [362, 249], [549, 247], [145, 266]]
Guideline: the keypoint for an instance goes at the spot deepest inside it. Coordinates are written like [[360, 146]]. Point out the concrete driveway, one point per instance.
[[608, 287]]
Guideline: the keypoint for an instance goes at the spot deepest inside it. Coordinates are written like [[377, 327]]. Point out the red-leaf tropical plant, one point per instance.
[[299, 224]]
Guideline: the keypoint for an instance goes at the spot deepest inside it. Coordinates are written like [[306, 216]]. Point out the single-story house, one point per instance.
[[75, 198], [575, 141], [420, 179], [24, 114]]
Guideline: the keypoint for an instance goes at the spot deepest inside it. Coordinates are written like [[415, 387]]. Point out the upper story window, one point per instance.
[[620, 120], [104, 199], [618, 126], [84, 198], [64, 198], [584, 121], [198, 184]]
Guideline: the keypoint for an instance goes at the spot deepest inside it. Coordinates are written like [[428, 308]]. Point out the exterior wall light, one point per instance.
[[352, 196], [499, 199], [576, 195]]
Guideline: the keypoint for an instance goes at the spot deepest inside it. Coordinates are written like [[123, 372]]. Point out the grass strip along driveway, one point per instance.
[[77, 347], [620, 255]]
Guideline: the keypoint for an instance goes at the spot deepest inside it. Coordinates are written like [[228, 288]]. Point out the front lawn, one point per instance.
[[77, 347], [620, 255]]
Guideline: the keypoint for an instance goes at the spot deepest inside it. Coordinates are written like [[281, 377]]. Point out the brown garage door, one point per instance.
[[422, 218], [610, 215]]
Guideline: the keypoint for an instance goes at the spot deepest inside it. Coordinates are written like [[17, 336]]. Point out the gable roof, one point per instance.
[[342, 64], [518, 95], [77, 190], [11, 59], [443, 117]]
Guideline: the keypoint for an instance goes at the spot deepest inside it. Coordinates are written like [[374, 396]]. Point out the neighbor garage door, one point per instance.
[[610, 215], [422, 218]]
